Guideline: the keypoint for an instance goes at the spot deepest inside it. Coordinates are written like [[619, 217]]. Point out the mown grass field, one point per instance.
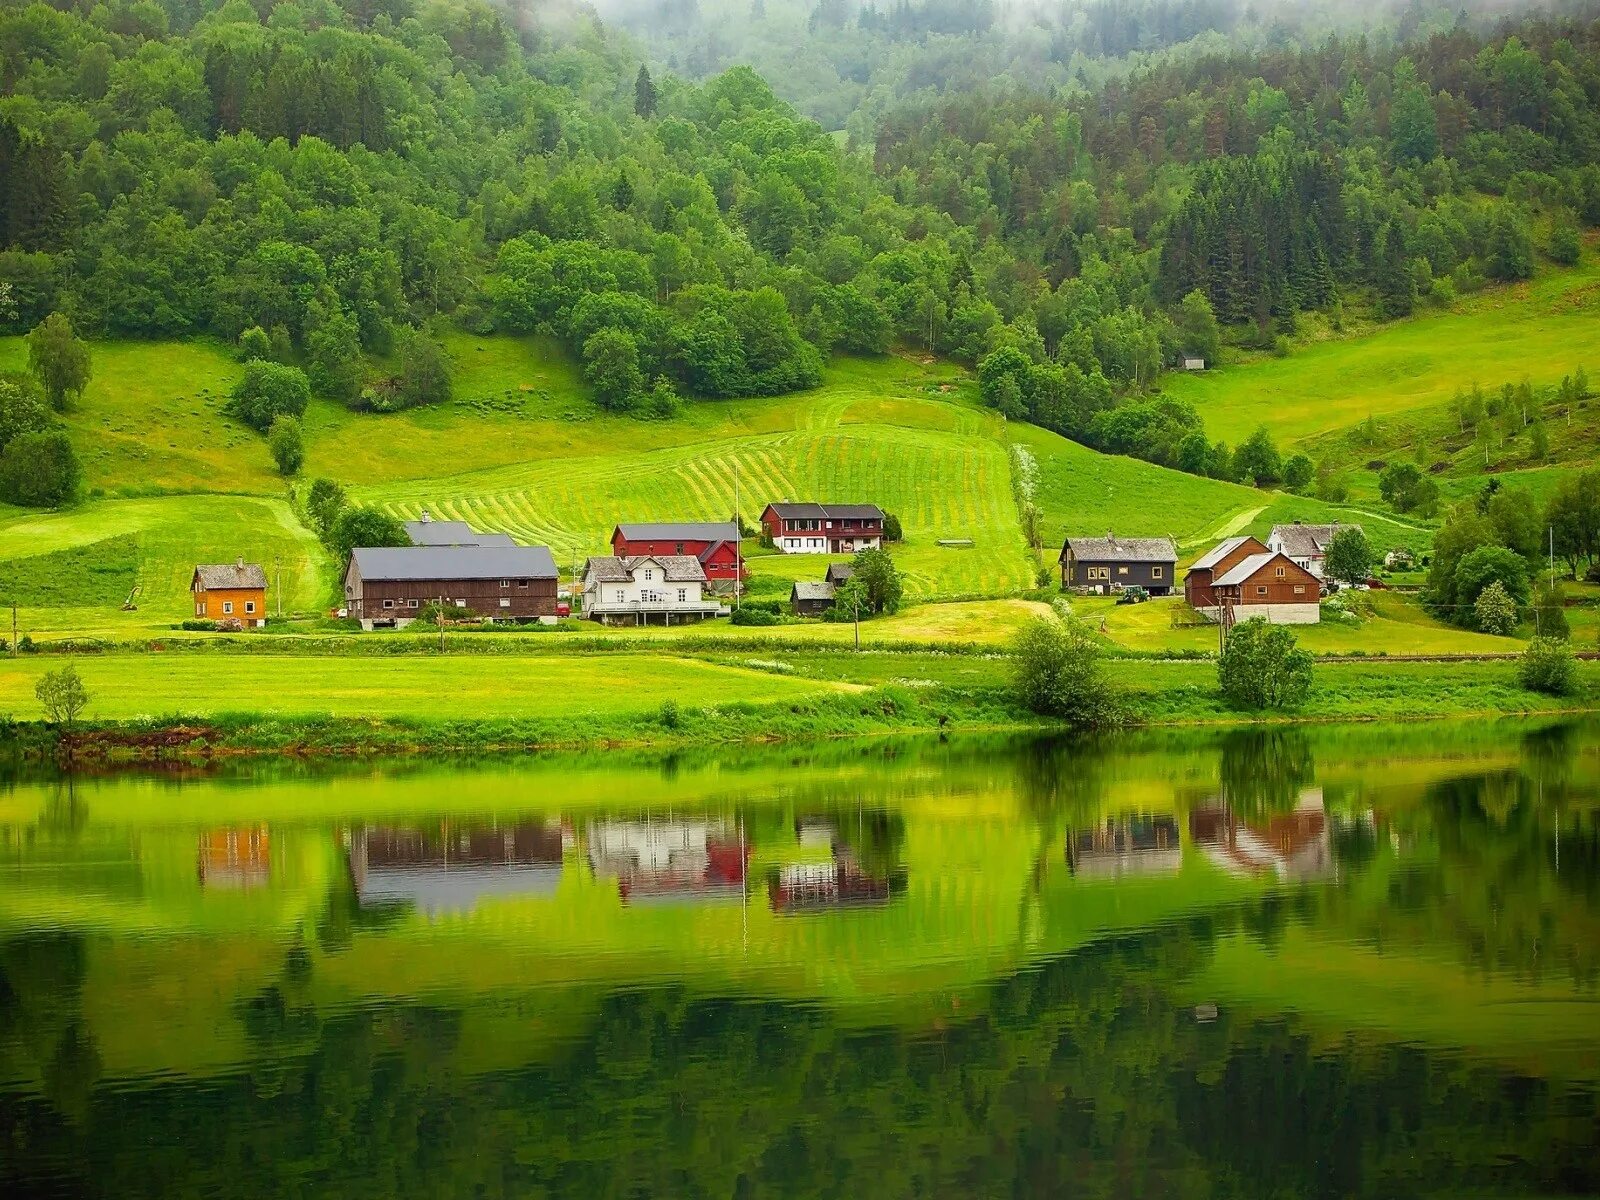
[[464, 687], [1541, 329]]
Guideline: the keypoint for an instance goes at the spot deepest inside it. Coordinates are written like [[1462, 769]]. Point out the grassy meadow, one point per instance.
[[1538, 329]]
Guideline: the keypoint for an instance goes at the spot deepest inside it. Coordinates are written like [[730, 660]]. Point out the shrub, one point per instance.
[[1550, 613], [671, 717], [268, 391], [254, 343], [746, 615], [198, 625], [1057, 673], [1495, 610], [1547, 666], [1262, 666], [891, 528], [287, 445], [39, 470]]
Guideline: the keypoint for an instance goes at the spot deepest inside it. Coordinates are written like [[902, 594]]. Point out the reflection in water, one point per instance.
[[1338, 963], [450, 868], [668, 860]]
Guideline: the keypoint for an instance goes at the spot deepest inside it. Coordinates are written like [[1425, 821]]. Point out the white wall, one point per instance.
[[648, 586], [1275, 614]]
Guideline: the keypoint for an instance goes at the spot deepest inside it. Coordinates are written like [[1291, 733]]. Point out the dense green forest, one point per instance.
[[321, 180]]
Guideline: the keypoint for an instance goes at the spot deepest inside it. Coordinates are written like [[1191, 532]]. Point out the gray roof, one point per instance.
[[675, 568], [229, 575], [836, 512], [806, 590], [419, 563], [680, 531], [1115, 549], [1306, 541], [1245, 568], [838, 573], [1218, 552], [452, 533]]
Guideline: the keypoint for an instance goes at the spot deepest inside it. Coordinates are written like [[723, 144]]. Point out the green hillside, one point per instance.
[[1541, 330]]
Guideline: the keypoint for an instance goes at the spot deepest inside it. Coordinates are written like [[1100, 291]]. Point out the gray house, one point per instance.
[[1111, 563]]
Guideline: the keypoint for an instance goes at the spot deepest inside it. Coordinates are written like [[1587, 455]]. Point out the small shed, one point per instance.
[[1193, 363], [808, 599]]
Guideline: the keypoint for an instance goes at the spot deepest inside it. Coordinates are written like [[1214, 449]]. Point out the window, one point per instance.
[[1122, 570], [679, 550], [411, 603], [1155, 572], [504, 603], [227, 606], [505, 583], [683, 595], [249, 606], [621, 595], [1261, 589], [388, 603], [1299, 589], [200, 609], [1280, 572], [522, 583]]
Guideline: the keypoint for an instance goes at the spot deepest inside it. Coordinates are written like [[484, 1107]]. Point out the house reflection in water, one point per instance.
[[663, 861], [1290, 845], [449, 869], [1126, 845], [235, 858], [839, 883]]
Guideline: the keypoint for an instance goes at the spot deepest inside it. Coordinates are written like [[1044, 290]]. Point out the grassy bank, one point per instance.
[[155, 704]]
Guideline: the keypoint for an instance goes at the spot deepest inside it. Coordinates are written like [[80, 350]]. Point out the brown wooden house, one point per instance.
[[389, 585], [1271, 586], [234, 591], [1213, 564]]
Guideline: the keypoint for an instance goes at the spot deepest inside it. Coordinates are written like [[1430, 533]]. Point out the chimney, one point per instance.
[[239, 562], [1110, 537], [426, 516]]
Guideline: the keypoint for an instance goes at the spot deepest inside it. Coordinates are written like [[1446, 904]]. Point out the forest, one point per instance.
[[325, 184]]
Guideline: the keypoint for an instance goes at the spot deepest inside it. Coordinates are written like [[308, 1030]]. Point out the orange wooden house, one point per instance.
[[234, 591]]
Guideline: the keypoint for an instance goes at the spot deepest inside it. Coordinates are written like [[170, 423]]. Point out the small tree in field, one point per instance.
[[1547, 666], [59, 360], [1495, 610], [877, 573], [63, 696], [1262, 666], [1056, 672], [1350, 556], [287, 445]]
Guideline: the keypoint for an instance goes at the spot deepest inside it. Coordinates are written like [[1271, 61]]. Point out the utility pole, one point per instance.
[[855, 608], [738, 542], [277, 568], [440, 613], [13, 629]]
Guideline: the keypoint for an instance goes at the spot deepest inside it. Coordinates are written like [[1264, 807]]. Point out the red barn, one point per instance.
[[714, 543]]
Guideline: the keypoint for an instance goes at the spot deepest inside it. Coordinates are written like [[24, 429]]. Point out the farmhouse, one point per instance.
[[807, 599], [633, 590], [428, 532], [1272, 586], [714, 543], [1111, 563], [1214, 564], [1306, 544], [388, 585], [807, 528], [234, 591]]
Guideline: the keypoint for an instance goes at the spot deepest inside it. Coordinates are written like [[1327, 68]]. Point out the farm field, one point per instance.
[[1399, 626], [1537, 329], [436, 688]]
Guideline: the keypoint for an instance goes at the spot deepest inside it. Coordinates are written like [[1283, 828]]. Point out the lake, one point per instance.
[[1254, 963]]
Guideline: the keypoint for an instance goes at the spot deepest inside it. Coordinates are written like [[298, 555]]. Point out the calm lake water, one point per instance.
[[1341, 962]]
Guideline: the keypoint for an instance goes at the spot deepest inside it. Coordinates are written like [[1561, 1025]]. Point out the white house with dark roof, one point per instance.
[[1307, 545], [647, 589]]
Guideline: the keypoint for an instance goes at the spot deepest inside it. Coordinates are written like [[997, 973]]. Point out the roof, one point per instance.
[[452, 533], [837, 512], [675, 568], [229, 575], [1218, 552], [838, 573], [419, 563], [679, 531], [806, 590], [1306, 541], [1115, 549], [1248, 567]]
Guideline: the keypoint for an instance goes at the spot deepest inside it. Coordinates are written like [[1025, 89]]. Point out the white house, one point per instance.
[[1307, 545], [667, 588]]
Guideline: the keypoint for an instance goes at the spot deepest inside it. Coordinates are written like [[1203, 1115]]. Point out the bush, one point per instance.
[[1495, 610], [198, 625], [1547, 666], [39, 470], [1263, 667], [268, 391], [1550, 612], [746, 615], [1057, 673], [287, 445], [254, 343], [891, 528]]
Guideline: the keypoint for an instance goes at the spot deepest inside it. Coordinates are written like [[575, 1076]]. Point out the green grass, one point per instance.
[[170, 534], [1084, 493], [1384, 530], [98, 574], [123, 686], [1537, 329]]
